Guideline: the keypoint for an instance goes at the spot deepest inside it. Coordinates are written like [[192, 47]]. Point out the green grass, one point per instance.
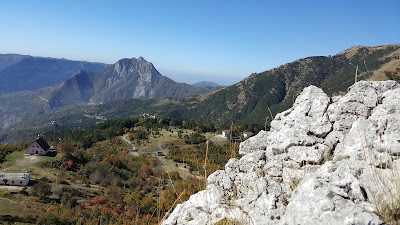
[[12, 158], [47, 159]]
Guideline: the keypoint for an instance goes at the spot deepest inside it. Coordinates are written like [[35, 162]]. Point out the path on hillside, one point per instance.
[[133, 150], [22, 163], [168, 165]]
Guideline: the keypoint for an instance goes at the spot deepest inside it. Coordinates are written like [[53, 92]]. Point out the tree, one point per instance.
[[66, 147]]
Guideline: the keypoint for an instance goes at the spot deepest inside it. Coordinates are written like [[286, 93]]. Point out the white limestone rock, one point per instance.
[[255, 143], [333, 194], [305, 124], [315, 166]]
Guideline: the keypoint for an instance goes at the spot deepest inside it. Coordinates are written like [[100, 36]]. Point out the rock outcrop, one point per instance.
[[325, 160]]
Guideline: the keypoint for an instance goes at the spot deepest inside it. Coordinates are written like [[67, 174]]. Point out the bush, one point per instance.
[[195, 138], [42, 189]]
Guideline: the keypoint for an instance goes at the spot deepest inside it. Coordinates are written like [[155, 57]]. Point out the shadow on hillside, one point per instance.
[[8, 219]]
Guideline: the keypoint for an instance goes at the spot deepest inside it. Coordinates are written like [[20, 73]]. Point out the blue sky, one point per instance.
[[190, 41]]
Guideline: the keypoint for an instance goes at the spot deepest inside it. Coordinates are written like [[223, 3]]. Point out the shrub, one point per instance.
[[42, 189]]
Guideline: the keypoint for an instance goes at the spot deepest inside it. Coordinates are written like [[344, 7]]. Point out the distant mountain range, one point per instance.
[[23, 72], [207, 84], [126, 79], [249, 101]]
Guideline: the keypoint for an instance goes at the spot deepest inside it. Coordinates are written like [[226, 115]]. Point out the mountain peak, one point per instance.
[[126, 66], [126, 79], [141, 59]]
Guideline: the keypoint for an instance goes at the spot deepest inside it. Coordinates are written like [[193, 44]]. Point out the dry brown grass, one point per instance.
[[382, 182], [384, 194], [10, 207], [390, 66], [227, 221]]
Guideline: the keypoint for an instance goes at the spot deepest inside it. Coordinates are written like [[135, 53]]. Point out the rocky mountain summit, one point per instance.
[[126, 79], [327, 159]]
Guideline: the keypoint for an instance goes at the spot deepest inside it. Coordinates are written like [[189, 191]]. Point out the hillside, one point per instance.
[[110, 174], [248, 100], [23, 72], [326, 159]]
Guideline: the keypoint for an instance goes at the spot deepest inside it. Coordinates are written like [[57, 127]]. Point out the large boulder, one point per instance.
[[317, 164]]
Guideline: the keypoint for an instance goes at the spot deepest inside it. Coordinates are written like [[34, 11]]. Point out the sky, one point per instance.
[[189, 41]]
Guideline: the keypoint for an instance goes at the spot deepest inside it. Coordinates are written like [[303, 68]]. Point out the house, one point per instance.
[[39, 147], [15, 179], [146, 115], [247, 134], [226, 133]]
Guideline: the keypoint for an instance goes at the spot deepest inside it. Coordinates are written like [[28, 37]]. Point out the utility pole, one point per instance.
[[55, 133], [355, 76], [205, 164]]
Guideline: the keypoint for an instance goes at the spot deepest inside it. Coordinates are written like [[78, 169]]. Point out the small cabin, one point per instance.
[[39, 147], [15, 179]]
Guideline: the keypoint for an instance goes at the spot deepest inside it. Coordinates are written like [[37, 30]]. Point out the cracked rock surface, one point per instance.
[[315, 166]]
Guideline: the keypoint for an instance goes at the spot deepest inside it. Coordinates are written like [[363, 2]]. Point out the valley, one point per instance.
[[133, 144], [199, 112], [117, 92]]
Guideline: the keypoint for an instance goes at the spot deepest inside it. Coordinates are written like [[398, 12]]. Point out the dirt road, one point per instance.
[[21, 164]]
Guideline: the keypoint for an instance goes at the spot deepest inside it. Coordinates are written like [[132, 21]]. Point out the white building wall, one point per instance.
[[14, 179], [35, 148]]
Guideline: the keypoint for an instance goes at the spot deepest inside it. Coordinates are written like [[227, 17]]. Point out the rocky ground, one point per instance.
[[327, 160]]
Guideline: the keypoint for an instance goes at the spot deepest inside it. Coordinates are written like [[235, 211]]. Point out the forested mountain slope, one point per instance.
[[248, 100]]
